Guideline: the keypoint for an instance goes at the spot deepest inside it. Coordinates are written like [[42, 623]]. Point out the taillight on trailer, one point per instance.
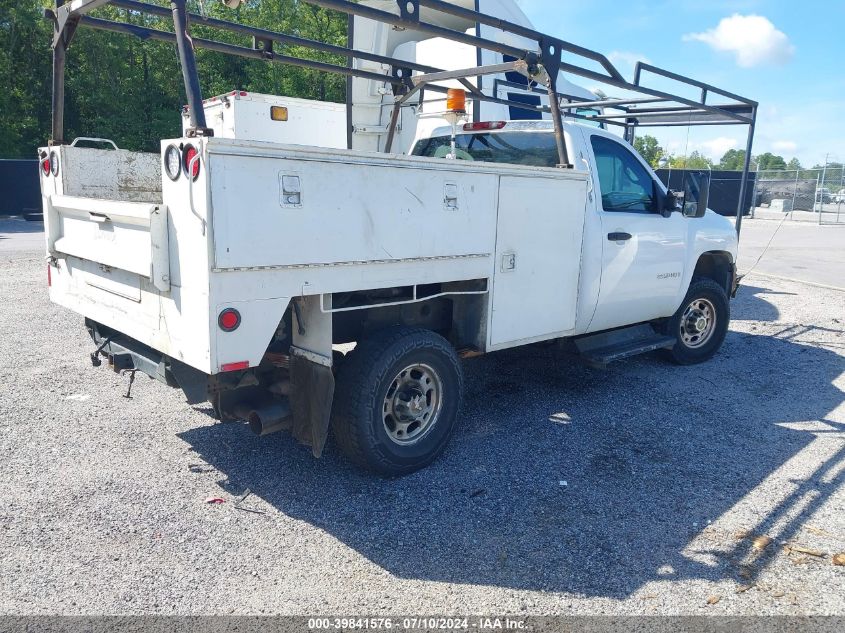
[[191, 161], [45, 166], [54, 163], [484, 125], [229, 320], [49, 276]]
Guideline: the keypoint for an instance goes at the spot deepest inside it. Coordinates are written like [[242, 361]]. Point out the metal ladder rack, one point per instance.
[[649, 107]]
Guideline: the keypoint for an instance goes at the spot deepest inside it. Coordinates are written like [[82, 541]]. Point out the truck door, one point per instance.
[[643, 253]]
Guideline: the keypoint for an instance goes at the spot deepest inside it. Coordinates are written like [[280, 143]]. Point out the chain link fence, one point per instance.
[[820, 191]]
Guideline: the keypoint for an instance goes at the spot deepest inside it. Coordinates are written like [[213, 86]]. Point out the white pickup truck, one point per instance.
[[244, 271], [234, 269]]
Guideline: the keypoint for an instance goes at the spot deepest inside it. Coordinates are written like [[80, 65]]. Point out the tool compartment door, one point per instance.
[[538, 258], [129, 236]]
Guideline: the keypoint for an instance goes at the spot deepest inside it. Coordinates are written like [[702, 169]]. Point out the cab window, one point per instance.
[[625, 184]]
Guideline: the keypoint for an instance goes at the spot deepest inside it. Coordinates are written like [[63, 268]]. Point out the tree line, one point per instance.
[[130, 90], [733, 160]]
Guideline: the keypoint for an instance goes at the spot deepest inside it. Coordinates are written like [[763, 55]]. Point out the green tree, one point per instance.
[[794, 164], [696, 160], [769, 161], [130, 90], [733, 160], [25, 78], [649, 149]]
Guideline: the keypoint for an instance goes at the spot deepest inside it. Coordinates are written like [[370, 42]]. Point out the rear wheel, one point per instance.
[[396, 401], [700, 324]]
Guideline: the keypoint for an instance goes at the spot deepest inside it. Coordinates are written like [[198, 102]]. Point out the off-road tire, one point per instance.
[[709, 291], [362, 385]]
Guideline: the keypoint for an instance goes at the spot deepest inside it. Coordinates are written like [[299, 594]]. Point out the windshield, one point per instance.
[[536, 149]]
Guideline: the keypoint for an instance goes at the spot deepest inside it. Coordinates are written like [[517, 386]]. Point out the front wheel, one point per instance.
[[397, 398], [700, 324]]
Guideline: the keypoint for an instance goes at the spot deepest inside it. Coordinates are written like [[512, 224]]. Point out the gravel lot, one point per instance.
[[635, 490]]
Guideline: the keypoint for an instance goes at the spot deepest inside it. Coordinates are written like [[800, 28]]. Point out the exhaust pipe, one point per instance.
[[267, 417]]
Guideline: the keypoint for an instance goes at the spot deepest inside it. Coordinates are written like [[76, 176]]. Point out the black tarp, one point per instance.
[[724, 188], [20, 189]]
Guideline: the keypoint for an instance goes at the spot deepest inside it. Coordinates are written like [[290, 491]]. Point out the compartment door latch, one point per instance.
[[291, 186], [450, 196]]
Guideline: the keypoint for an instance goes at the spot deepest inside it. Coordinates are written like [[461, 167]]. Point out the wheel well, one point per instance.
[[715, 265], [455, 310]]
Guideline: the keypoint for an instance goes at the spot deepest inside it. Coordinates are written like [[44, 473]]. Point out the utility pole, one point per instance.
[[819, 192]]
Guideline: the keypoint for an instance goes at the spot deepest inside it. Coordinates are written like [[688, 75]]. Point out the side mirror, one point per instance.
[[669, 203], [696, 193]]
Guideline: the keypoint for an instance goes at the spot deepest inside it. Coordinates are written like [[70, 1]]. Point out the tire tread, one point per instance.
[[355, 395], [680, 354]]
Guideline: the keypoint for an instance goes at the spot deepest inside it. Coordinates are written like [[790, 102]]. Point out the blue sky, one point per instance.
[[788, 56]]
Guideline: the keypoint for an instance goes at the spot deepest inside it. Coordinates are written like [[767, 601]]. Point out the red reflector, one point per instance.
[[49, 276], [229, 319], [191, 166], [244, 364], [45, 166], [484, 125]]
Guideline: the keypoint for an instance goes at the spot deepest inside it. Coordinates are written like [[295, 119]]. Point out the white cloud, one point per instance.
[[715, 148], [785, 146], [753, 39]]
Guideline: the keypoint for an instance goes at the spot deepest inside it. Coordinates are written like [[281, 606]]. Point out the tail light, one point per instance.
[[54, 163], [172, 162], [484, 125], [49, 276], [45, 166], [229, 320], [192, 167]]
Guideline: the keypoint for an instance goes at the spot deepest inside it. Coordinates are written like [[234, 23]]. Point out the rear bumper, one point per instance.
[[126, 354]]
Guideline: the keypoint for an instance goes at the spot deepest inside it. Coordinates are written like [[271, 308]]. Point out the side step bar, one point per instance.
[[598, 350]]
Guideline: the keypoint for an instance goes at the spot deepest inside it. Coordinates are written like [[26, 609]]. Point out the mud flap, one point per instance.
[[312, 393]]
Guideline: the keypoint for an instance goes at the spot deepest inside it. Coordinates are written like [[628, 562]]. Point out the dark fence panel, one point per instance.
[[20, 189], [724, 188]]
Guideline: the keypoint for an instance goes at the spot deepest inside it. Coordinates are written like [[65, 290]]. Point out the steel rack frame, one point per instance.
[[542, 63]]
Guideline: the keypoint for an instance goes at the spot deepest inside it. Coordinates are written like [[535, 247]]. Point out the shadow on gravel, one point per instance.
[[19, 226], [754, 306], [568, 479]]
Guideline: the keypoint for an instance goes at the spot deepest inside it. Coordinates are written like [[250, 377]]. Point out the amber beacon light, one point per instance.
[[456, 100]]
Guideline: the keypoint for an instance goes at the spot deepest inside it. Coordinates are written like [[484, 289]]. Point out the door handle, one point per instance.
[[618, 237]]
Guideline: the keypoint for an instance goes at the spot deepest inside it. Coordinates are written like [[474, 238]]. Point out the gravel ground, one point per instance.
[[635, 490]]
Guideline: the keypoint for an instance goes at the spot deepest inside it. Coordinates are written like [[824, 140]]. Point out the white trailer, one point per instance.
[[243, 270]]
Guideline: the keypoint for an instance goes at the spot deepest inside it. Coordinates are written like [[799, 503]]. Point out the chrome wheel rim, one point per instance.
[[412, 404], [698, 323]]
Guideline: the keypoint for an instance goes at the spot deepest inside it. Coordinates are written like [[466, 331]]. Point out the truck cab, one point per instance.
[[638, 260]]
